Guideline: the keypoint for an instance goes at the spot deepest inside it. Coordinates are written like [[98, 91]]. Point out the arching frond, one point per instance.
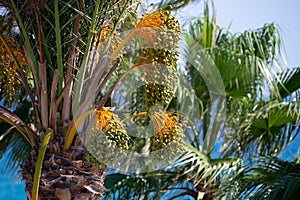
[[15, 136], [13, 150], [264, 129], [289, 81], [270, 178], [147, 186], [206, 173]]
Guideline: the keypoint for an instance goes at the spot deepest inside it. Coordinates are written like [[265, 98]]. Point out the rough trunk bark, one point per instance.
[[65, 175]]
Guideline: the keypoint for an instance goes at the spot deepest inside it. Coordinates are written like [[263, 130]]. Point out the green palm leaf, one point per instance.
[[12, 119], [13, 149], [267, 129], [289, 81], [145, 186], [15, 137], [242, 59], [208, 175], [270, 178]]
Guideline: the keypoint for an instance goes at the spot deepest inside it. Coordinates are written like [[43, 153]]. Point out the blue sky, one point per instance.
[[241, 15], [250, 14]]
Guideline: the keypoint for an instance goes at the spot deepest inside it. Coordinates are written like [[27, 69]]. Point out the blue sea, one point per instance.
[[11, 187]]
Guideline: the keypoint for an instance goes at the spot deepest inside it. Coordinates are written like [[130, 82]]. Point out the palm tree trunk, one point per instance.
[[65, 175]]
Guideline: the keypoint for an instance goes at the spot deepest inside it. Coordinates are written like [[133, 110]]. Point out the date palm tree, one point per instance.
[[44, 44], [65, 84]]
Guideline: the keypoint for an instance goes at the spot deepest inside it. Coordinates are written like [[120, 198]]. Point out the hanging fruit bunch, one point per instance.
[[104, 37], [12, 63], [111, 125], [108, 139], [159, 34], [168, 130]]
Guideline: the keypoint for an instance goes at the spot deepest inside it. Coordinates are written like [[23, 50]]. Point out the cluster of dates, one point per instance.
[[159, 35]]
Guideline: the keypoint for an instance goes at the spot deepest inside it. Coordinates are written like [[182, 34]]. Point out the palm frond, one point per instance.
[[147, 186], [208, 175], [244, 60], [270, 178], [289, 81], [13, 149], [12, 119], [242, 65], [208, 86], [265, 130], [246, 65]]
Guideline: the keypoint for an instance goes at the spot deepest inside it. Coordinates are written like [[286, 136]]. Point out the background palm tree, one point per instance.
[[269, 178], [262, 119]]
